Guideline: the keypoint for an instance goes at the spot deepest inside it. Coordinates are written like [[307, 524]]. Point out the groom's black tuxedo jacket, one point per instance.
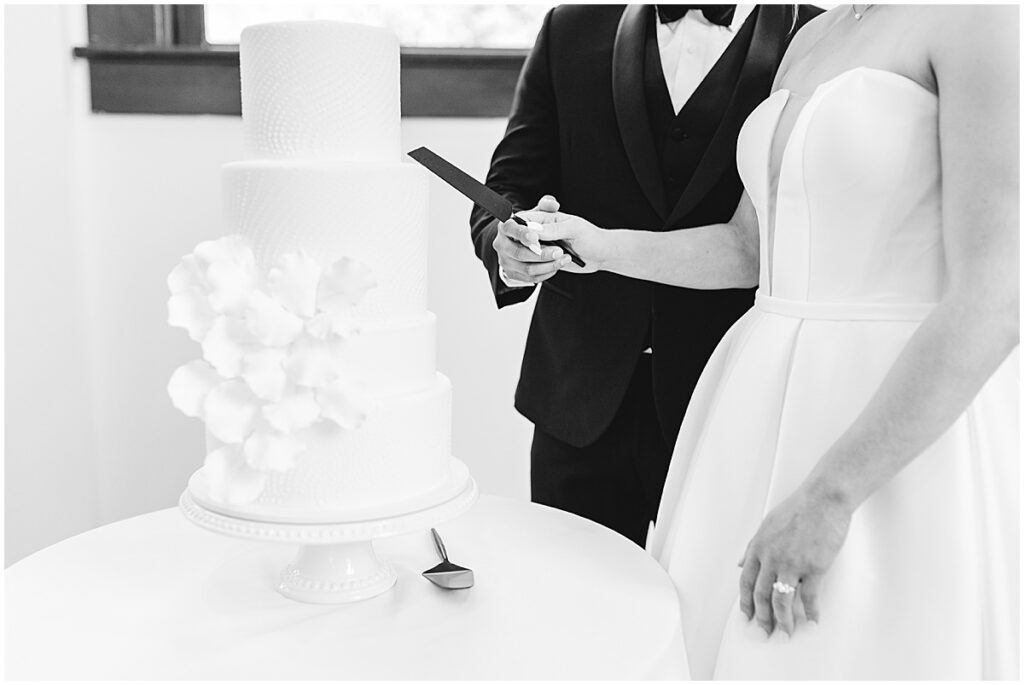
[[592, 123]]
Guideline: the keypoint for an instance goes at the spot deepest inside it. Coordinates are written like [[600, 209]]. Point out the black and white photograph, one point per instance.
[[451, 341]]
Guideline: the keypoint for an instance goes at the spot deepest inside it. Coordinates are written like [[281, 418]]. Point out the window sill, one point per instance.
[[436, 82]]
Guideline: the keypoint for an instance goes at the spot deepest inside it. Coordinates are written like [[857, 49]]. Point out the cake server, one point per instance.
[[446, 574], [496, 205]]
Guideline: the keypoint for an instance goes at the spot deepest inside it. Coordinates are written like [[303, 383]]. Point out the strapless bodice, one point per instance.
[[857, 202]]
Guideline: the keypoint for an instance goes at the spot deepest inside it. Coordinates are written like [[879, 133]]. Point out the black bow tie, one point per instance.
[[716, 14]]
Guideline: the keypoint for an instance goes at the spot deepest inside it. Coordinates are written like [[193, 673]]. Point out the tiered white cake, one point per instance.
[[318, 383]]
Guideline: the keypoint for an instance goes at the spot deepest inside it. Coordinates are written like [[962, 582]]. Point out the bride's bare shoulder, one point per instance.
[[961, 36], [952, 27]]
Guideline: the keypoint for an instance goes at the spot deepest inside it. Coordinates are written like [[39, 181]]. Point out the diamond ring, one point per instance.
[[783, 588]]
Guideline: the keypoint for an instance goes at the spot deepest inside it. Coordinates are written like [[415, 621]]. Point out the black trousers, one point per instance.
[[615, 481]]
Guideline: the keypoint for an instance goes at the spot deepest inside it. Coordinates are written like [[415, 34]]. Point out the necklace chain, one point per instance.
[[858, 15]]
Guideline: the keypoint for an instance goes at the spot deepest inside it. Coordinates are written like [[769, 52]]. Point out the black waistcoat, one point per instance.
[[680, 139]]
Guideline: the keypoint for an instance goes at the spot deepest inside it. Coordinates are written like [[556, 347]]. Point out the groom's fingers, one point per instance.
[[539, 269], [518, 233], [512, 250], [541, 217], [533, 273], [565, 228], [522, 264], [548, 203]]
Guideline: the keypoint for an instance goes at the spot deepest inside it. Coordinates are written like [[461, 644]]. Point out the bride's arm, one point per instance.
[[705, 257], [956, 349], [976, 324], [716, 256]]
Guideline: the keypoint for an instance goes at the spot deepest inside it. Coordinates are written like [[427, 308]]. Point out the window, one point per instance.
[[457, 60], [416, 25]]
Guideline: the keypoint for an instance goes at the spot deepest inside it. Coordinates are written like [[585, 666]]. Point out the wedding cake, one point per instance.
[[317, 382]]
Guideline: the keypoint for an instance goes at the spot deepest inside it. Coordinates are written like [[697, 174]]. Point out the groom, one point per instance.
[[629, 117]]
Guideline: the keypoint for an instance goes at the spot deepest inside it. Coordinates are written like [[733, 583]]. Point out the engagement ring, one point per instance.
[[783, 588]]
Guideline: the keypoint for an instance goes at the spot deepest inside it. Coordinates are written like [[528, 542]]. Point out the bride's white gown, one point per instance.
[[926, 585]]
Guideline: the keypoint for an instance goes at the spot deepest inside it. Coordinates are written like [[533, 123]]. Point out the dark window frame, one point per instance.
[[154, 59]]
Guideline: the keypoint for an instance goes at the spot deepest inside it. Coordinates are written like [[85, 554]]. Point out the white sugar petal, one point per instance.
[[230, 248], [326, 324], [231, 283], [263, 371], [315, 363], [230, 411], [190, 309], [187, 274], [271, 323], [292, 281], [344, 403], [270, 450], [230, 478], [297, 409], [344, 284], [190, 384], [226, 343]]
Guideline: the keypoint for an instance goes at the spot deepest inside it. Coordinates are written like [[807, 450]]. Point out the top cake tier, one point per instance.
[[320, 90]]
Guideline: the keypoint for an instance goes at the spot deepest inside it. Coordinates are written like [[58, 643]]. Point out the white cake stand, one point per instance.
[[336, 563]]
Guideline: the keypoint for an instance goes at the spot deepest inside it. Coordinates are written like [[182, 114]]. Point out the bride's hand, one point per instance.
[[795, 545], [585, 239]]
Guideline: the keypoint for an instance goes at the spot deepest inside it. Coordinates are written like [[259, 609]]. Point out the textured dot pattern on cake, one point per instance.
[[320, 89]]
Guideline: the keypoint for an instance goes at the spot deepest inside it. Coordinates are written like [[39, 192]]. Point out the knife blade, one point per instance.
[[493, 203]]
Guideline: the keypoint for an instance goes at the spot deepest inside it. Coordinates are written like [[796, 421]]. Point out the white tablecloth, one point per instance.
[[556, 597]]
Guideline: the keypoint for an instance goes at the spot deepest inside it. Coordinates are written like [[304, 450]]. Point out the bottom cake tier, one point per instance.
[[398, 460]]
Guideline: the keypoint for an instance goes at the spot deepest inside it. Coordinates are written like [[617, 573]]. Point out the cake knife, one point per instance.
[[496, 205]]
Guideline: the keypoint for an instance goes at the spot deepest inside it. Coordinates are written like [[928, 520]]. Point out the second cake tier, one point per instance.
[[376, 214]]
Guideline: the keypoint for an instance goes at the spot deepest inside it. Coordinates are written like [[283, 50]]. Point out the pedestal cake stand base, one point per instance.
[[336, 563]]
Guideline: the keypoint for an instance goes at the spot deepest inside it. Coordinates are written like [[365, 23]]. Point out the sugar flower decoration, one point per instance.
[[269, 322], [230, 411], [271, 450], [223, 270], [343, 285], [230, 477], [273, 356], [315, 362], [327, 324], [189, 386], [190, 309], [227, 343], [263, 371], [293, 282], [297, 409]]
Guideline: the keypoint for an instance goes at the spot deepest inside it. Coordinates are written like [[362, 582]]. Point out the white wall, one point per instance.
[[99, 208]]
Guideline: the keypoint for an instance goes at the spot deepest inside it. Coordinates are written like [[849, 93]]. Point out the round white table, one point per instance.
[[154, 597]]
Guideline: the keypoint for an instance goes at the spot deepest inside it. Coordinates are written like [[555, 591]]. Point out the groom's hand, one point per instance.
[[520, 254]]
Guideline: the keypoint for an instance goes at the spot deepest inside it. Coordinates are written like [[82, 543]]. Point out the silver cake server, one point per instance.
[[446, 574]]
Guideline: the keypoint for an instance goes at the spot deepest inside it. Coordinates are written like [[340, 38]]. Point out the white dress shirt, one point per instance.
[[689, 48]]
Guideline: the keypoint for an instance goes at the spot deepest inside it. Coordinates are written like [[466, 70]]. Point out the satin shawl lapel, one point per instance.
[[631, 103], [752, 86]]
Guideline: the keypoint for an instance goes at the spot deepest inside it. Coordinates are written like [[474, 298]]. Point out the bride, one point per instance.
[[852, 443]]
